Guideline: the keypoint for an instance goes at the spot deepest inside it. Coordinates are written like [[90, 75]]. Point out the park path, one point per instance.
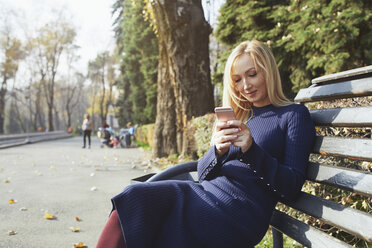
[[62, 179]]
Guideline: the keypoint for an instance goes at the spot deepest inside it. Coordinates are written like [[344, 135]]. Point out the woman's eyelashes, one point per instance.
[[237, 80], [251, 73]]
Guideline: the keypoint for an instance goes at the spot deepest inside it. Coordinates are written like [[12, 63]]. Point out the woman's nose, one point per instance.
[[246, 84]]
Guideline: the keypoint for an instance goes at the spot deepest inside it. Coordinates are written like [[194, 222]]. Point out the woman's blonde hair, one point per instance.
[[263, 60]]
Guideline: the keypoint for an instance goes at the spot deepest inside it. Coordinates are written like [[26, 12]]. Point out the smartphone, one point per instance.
[[225, 113]]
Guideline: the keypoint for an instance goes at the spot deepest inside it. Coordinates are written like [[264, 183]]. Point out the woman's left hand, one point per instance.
[[244, 139]]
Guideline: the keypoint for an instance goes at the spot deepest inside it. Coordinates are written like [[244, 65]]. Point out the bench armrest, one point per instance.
[[175, 171]]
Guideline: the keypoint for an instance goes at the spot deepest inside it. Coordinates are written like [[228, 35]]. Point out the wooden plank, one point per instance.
[[352, 180], [302, 233], [343, 117], [358, 72], [353, 88], [345, 147], [350, 220]]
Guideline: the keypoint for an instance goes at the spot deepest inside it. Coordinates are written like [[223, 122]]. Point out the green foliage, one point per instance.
[[309, 38], [143, 145], [137, 46], [267, 241], [203, 127]]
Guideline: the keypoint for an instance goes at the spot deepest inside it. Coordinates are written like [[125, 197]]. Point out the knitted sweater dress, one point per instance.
[[232, 203]]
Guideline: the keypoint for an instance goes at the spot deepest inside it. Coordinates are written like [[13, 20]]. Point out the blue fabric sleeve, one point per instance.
[[285, 178], [209, 165]]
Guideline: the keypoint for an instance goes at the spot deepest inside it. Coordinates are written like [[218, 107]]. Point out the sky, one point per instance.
[[91, 18]]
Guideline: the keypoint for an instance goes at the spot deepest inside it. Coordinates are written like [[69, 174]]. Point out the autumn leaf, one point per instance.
[[78, 219], [6, 181], [345, 200], [48, 216], [77, 229], [12, 201], [80, 245], [12, 233], [364, 204]]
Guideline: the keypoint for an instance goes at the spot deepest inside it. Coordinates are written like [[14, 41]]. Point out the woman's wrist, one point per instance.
[[249, 145]]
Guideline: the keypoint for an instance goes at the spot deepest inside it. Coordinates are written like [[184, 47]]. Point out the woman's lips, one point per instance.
[[251, 93]]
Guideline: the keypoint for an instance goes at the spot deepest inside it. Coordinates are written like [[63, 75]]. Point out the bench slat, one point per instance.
[[350, 220], [343, 117], [358, 72], [302, 233], [352, 180], [352, 88], [345, 147]]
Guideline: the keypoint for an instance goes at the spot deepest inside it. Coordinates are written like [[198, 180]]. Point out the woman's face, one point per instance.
[[249, 81]]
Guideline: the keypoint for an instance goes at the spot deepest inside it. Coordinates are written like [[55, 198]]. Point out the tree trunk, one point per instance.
[[183, 69], [2, 110], [165, 123], [3, 91]]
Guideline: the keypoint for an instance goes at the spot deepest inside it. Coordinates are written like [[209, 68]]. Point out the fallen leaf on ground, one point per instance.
[[6, 181], [80, 245], [75, 229], [12, 233], [12, 201], [78, 219], [48, 216]]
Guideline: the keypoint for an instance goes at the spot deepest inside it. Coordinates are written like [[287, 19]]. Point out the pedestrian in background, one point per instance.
[[87, 129]]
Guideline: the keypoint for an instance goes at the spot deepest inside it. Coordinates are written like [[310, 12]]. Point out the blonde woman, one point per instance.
[[253, 162]]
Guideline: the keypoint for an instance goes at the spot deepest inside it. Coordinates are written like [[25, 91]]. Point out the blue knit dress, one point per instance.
[[232, 204]]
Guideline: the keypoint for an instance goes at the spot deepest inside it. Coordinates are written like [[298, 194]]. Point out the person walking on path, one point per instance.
[[253, 162], [87, 129]]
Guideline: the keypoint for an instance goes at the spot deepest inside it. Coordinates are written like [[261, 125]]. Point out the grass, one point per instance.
[[267, 241]]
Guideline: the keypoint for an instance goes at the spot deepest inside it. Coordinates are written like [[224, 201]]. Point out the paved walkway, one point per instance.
[[66, 181]]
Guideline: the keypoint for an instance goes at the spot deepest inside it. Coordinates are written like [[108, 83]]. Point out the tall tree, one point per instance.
[[71, 93], [137, 47], [309, 38], [48, 46], [102, 73], [325, 37], [72, 86], [184, 87], [11, 53]]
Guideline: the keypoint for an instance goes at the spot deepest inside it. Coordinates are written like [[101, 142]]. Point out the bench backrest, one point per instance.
[[348, 84]]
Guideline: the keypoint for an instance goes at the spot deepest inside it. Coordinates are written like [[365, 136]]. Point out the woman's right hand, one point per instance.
[[223, 137]]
